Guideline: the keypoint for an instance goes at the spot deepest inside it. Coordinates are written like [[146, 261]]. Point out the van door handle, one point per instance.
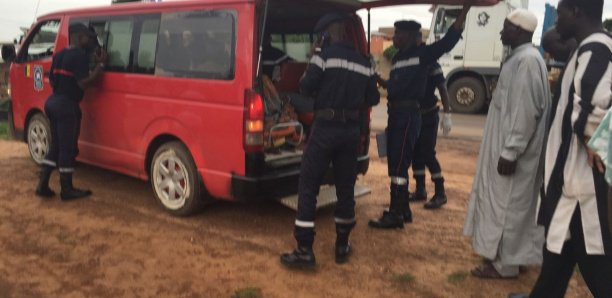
[[458, 57]]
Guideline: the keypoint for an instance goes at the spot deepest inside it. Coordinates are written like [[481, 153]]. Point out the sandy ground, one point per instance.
[[120, 243]]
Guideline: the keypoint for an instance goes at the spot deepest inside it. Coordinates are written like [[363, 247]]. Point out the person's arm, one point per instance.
[[372, 94], [86, 81], [311, 81], [527, 101], [434, 51], [594, 94], [380, 81]]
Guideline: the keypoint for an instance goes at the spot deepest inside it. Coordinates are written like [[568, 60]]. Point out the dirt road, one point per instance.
[[119, 243]]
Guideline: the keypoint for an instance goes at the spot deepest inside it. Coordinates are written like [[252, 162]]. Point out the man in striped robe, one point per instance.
[[574, 201]]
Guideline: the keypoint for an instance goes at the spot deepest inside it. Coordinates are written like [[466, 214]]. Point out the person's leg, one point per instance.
[[49, 163], [67, 127], [315, 162], [345, 174], [432, 163], [418, 169], [403, 130], [557, 269]]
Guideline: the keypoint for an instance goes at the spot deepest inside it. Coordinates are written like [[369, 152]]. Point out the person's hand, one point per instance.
[[506, 167], [100, 57], [595, 161], [447, 124]]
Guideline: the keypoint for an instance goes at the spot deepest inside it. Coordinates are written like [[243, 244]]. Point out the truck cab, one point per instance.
[[473, 65]]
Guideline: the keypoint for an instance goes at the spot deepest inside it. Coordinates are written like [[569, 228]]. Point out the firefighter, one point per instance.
[[342, 82], [425, 147], [406, 90], [69, 76]]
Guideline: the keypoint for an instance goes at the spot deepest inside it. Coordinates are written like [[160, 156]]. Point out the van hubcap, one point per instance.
[[171, 181], [466, 96], [38, 141]]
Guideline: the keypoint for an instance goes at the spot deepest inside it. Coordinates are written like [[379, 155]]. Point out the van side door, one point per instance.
[[30, 74]]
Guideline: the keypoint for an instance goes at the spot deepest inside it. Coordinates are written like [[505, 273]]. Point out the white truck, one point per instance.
[[473, 66]]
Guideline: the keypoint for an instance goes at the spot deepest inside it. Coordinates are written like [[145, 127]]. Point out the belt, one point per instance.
[[429, 110], [404, 104], [337, 114]]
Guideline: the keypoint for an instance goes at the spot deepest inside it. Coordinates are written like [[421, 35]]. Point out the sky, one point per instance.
[[21, 13]]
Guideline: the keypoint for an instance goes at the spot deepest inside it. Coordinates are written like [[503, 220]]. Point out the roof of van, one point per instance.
[[349, 4]]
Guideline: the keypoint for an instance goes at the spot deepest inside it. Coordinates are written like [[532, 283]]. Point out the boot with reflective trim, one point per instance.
[[436, 201], [418, 195], [68, 191], [301, 258], [43, 190]]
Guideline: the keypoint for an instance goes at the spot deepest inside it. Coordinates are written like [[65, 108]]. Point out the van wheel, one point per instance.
[[467, 95], [39, 137], [175, 180]]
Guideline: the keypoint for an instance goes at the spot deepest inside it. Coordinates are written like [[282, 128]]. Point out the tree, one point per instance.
[[608, 25], [390, 52]]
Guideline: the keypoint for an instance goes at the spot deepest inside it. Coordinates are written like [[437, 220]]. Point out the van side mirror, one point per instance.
[[8, 53]]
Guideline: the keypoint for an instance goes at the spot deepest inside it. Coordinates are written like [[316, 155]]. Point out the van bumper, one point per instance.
[[281, 184]]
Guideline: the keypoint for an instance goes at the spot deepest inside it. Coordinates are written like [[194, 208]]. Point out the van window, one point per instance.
[[444, 19], [145, 62], [119, 42], [296, 46], [42, 43], [197, 44]]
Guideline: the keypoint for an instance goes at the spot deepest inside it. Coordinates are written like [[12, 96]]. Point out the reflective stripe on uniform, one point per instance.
[[66, 170], [405, 63], [399, 180], [436, 176], [342, 64], [49, 163], [345, 221], [304, 224], [419, 173], [63, 72]]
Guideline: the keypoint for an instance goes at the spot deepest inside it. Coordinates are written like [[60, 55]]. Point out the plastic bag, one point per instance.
[[600, 143]]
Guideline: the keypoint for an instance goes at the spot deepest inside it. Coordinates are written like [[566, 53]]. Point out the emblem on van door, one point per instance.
[[38, 78], [483, 19]]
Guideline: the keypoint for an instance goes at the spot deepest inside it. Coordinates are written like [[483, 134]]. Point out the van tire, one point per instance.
[[38, 137], [467, 95], [175, 180]]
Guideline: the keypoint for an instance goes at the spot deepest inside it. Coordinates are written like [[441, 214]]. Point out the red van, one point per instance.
[[181, 102]]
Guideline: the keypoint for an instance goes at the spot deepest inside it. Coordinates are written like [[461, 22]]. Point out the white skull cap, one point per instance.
[[524, 19]]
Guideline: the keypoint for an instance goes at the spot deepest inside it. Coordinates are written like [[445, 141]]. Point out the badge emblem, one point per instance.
[[483, 19], [38, 78]]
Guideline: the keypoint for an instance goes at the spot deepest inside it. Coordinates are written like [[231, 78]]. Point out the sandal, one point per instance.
[[487, 270]]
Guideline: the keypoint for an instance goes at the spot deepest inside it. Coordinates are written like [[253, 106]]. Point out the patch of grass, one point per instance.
[[4, 131], [249, 292], [457, 277], [64, 237], [403, 277]]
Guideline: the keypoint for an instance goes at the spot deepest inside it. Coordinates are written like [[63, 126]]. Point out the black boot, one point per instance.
[[343, 246], [392, 219], [439, 197], [420, 194], [406, 212], [43, 190], [68, 191], [301, 258]]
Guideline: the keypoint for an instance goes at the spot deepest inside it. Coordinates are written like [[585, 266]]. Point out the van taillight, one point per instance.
[[253, 121]]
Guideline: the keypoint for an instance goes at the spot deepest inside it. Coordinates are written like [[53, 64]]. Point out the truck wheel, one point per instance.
[[175, 180], [467, 95], [38, 137]]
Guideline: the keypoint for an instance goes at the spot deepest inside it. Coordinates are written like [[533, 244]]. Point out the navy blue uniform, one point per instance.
[[425, 147], [62, 107], [406, 92], [343, 83]]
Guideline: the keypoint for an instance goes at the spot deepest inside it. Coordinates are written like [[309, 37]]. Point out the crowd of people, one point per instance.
[[539, 196]]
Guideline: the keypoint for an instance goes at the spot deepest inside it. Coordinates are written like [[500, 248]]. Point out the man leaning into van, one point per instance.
[[342, 81], [69, 77]]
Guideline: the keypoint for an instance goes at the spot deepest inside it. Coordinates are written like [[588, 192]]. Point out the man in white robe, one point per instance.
[[503, 202]]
